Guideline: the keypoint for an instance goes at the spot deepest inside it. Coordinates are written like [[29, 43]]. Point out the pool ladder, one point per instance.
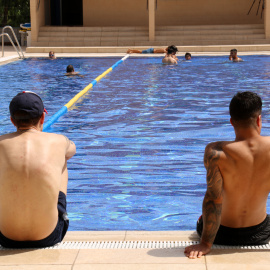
[[21, 56]]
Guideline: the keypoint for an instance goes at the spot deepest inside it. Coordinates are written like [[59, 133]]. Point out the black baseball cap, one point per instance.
[[29, 102]]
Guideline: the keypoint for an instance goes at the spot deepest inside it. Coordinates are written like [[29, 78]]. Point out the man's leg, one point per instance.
[[159, 51], [134, 51]]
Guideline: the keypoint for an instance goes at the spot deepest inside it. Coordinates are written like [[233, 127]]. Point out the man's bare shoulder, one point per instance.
[[214, 151], [42, 135]]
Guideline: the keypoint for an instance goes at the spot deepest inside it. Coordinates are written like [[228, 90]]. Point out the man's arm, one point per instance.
[[212, 203], [71, 149]]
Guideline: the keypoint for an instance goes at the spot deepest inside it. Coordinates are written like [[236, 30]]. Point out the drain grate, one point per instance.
[[139, 245]]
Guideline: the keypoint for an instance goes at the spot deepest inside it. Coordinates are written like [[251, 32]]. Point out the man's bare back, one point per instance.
[[238, 183], [33, 171], [169, 60], [33, 178], [246, 180]]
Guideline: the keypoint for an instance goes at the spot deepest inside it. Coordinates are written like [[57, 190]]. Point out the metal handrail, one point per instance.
[[5, 34]]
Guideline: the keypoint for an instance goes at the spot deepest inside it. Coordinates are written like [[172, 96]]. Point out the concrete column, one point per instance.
[[37, 13], [267, 18], [34, 24], [152, 10]]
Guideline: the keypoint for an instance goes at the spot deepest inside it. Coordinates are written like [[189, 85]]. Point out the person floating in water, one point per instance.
[[188, 56], [33, 178], [233, 56], [170, 57], [71, 72], [238, 183], [52, 55]]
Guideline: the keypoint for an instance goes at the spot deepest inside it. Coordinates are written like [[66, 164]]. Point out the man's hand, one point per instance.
[[196, 251]]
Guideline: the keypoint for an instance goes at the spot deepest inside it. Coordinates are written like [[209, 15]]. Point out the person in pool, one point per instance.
[[170, 57], [188, 56], [238, 182], [33, 178], [71, 72], [233, 56], [52, 55]]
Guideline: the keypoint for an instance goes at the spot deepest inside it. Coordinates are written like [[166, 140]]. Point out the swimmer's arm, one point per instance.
[[71, 149], [212, 203]]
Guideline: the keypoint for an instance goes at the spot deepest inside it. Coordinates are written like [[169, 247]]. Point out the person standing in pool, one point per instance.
[[33, 178], [238, 182], [170, 57], [233, 56]]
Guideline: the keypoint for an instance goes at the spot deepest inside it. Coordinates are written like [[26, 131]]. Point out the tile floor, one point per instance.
[[129, 259]]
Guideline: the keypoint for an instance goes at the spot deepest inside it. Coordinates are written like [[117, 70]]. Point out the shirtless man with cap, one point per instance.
[[33, 178], [238, 183]]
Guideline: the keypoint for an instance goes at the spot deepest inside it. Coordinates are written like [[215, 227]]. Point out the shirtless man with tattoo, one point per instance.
[[33, 179], [238, 183]]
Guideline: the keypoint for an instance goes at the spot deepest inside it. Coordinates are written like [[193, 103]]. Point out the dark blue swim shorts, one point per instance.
[[55, 237], [150, 50]]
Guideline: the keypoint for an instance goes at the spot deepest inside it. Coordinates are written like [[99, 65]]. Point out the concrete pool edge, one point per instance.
[[131, 236]]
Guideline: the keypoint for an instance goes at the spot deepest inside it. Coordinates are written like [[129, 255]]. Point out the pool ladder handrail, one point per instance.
[[7, 35]]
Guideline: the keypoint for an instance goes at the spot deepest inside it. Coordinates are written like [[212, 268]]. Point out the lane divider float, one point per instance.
[[65, 108]]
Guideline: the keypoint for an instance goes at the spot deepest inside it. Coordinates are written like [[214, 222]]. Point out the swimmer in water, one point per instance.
[[71, 72], [52, 55], [170, 57], [233, 56], [188, 56]]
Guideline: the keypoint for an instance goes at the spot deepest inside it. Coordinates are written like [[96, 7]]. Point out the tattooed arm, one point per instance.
[[212, 203]]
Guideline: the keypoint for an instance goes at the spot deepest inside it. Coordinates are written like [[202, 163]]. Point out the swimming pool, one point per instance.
[[140, 133]]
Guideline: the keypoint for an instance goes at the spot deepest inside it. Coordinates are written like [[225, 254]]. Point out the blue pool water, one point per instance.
[[140, 132]]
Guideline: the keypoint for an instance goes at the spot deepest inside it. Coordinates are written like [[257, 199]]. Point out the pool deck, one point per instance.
[[129, 259]]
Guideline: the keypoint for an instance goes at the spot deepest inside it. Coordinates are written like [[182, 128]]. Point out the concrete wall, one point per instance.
[[37, 12], [169, 12], [206, 12], [115, 13]]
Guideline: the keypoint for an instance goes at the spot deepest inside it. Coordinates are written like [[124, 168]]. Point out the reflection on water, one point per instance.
[[140, 132]]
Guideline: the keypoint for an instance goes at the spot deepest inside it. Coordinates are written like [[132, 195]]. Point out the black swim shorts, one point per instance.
[[55, 237], [249, 236]]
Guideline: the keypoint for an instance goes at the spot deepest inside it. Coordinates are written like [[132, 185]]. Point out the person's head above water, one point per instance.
[[245, 108], [70, 69], [233, 53], [188, 56], [26, 109], [172, 48], [52, 55]]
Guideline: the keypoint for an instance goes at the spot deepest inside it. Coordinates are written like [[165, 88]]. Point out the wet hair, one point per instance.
[[188, 54], [234, 50], [23, 120], [173, 48], [245, 107], [170, 50], [70, 68]]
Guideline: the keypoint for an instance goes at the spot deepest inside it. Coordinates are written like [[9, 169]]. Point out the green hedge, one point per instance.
[[14, 12]]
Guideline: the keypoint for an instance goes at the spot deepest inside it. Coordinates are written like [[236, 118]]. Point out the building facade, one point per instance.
[[147, 13]]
